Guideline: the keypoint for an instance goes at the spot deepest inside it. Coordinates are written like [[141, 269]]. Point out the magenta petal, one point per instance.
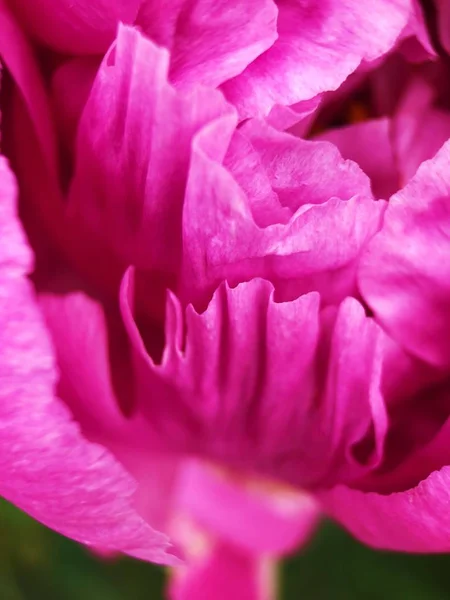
[[210, 40], [444, 22], [416, 520], [222, 240], [419, 129], [369, 144], [206, 397], [75, 26], [303, 172], [260, 517], [319, 45], [223, 572], [133, 152], [17, 55], [405, 272], [47, 467]]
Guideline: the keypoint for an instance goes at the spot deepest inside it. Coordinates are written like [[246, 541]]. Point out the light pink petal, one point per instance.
[[370, 146], [258, 516], [75, 26], [217, 388], [210, 40], [416, 520], [405, 272], [224, 571], [47, 467], [133, 152], [221, 240], [320, 44]]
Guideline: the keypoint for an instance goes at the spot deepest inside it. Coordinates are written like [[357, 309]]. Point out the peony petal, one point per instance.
[[133, 152], [369, 145], [405, 274], [17, 55], [443, 7], [210, 41], [258, 516], [71, 85], [302, 172], [75, 26], [223, 571], [419, 129], [319, 45], [204, 398], [221, 240], [47, 467], [416, 520]]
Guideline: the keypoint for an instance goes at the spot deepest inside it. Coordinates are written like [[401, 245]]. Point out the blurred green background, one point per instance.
[[36, 563]]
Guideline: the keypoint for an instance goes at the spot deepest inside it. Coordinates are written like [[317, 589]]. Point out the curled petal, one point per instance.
[[210, 41], [222, 241], [319, 45], [405, 273], [416, 520], [133, 152]]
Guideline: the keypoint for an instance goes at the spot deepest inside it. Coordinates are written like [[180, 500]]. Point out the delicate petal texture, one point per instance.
[[319, 45], [210, 40], [417, 520], [258, 516], [303, 172], [133, 152], [75, 26], [303, 255], [205, 398], [223, 571], [47, 467], [369, 145], [405, 272]]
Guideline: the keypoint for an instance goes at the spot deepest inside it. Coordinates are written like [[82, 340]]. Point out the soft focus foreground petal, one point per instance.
[[222, 571], [218, 387], [405, 273], [319, 44], [257, 515], [47, 468], [416, 520], [370, 146], [222, 241], [75, 27], [210, 41], [133, 152]]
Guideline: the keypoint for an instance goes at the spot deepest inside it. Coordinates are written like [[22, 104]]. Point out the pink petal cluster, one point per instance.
[[225, 230]]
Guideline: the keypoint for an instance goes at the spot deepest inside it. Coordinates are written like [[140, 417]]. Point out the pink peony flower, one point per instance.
[[213, 330]]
